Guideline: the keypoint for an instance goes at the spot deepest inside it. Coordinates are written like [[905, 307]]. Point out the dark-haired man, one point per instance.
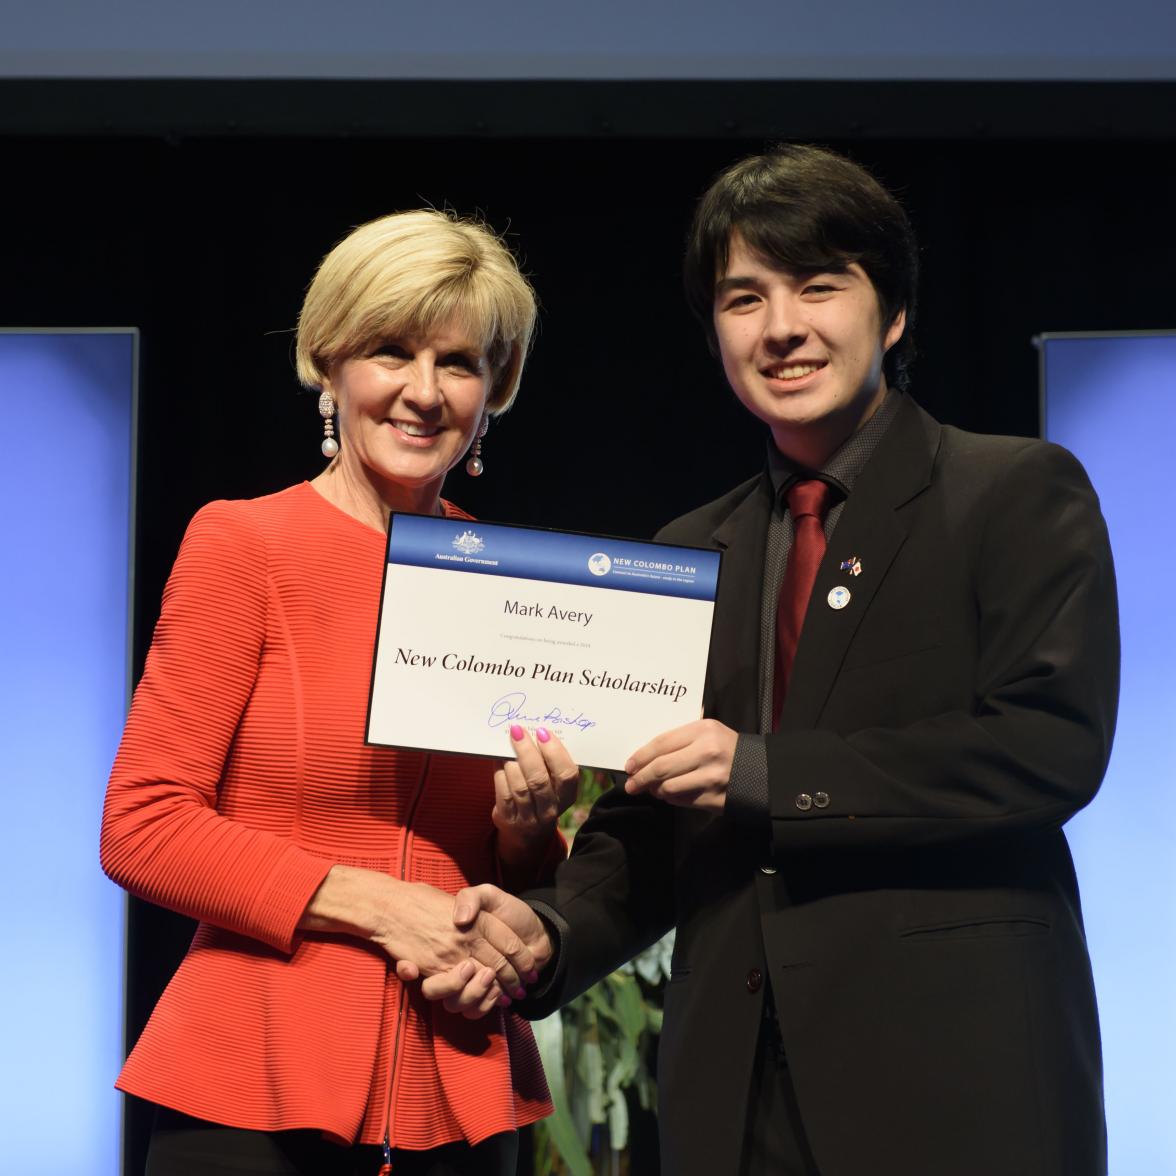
[[880, 967]]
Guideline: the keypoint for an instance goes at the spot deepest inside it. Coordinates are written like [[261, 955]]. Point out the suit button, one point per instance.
[[755, 979], [821, 799], [804, 802]]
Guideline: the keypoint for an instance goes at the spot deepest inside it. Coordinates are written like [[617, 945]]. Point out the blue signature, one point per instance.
[[509, 709]]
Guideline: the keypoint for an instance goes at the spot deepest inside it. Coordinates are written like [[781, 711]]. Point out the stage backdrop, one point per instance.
[[1111, 400], [65, 514]]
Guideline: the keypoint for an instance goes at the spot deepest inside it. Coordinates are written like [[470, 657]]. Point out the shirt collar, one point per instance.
[[846, 462]]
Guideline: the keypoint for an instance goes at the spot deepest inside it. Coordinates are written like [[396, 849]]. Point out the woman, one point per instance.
[[243, 794]]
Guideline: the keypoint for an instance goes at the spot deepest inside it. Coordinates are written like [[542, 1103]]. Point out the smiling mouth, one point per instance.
[[416, 429], [791, 371]]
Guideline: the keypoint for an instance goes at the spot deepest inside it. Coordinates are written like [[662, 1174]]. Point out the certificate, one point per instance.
[[483, 626]]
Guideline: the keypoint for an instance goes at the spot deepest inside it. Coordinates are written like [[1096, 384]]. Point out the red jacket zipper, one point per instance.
[[402, 1003]]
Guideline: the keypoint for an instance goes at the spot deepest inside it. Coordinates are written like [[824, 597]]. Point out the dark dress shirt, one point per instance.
[[747, 791]]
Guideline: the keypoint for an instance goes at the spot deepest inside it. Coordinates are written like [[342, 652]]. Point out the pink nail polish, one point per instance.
[[503, 1001], [519, 993], [543, 735], [531, 977], [516, 732]]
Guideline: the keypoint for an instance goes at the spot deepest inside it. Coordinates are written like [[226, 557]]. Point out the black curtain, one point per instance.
[[207, 241]]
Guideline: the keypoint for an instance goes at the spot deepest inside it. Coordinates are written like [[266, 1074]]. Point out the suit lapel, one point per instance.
[[732, 694], [873, 529]]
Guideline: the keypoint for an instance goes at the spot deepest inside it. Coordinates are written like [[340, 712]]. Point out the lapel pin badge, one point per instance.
[[838, 597], [853, 566]]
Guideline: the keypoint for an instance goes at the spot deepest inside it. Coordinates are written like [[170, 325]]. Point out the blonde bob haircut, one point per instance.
[[407, 274]]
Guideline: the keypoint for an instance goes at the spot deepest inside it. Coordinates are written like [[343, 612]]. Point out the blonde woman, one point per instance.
[[294, 1037]]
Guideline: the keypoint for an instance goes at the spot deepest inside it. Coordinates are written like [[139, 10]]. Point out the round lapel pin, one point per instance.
[[838, 597]]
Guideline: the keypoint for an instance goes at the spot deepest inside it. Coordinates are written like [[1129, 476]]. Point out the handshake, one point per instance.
[[500, 946], [474, 952]]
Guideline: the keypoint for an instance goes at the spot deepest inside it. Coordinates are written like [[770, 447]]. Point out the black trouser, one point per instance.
[[183, 1146], [776, 1143]]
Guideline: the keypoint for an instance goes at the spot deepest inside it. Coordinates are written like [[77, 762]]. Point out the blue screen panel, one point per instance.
[[1111, 399], [65, 513]]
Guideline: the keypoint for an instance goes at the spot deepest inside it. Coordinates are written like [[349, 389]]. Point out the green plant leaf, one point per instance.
[[593, 1074], [560, 1126], [630, 1009], [618, 1110]]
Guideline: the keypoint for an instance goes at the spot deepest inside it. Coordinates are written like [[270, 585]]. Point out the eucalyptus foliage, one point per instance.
[[596, 1048]]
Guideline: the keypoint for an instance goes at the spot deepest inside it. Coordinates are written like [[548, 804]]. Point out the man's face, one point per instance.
[[803, 352]]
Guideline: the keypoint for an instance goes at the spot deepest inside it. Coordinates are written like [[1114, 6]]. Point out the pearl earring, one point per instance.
[[327, 410], [474, 466]]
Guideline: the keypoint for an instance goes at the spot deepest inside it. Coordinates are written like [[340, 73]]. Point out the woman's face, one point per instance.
[[409, 408]]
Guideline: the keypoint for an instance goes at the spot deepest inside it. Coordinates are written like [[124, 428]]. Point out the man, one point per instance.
[[880, 966]]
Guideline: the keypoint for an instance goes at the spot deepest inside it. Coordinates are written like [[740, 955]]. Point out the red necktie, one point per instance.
[[807, 502]]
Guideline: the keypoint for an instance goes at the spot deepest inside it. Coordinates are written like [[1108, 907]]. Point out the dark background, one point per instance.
[[198, 212]]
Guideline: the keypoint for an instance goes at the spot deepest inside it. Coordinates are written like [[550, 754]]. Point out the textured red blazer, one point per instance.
[[241, 779]]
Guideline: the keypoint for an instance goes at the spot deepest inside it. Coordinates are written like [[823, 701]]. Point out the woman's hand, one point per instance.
[[504, 921], [530, 792], [414, 925]]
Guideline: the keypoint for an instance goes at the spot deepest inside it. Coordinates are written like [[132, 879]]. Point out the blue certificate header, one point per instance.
[[560, 557]]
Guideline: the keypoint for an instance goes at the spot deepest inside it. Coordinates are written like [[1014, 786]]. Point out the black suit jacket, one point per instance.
[[920, 933]]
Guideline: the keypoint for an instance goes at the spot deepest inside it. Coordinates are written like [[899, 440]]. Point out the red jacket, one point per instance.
[[241, 779]]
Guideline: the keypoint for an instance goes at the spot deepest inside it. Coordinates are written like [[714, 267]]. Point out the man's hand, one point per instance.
[[688, 766], [500, 925]]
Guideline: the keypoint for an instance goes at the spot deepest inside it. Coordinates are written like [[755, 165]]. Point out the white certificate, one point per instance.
[[483, 626]]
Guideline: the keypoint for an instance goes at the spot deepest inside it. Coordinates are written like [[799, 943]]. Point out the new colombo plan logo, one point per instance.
[[599, 564], [468, 543]]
